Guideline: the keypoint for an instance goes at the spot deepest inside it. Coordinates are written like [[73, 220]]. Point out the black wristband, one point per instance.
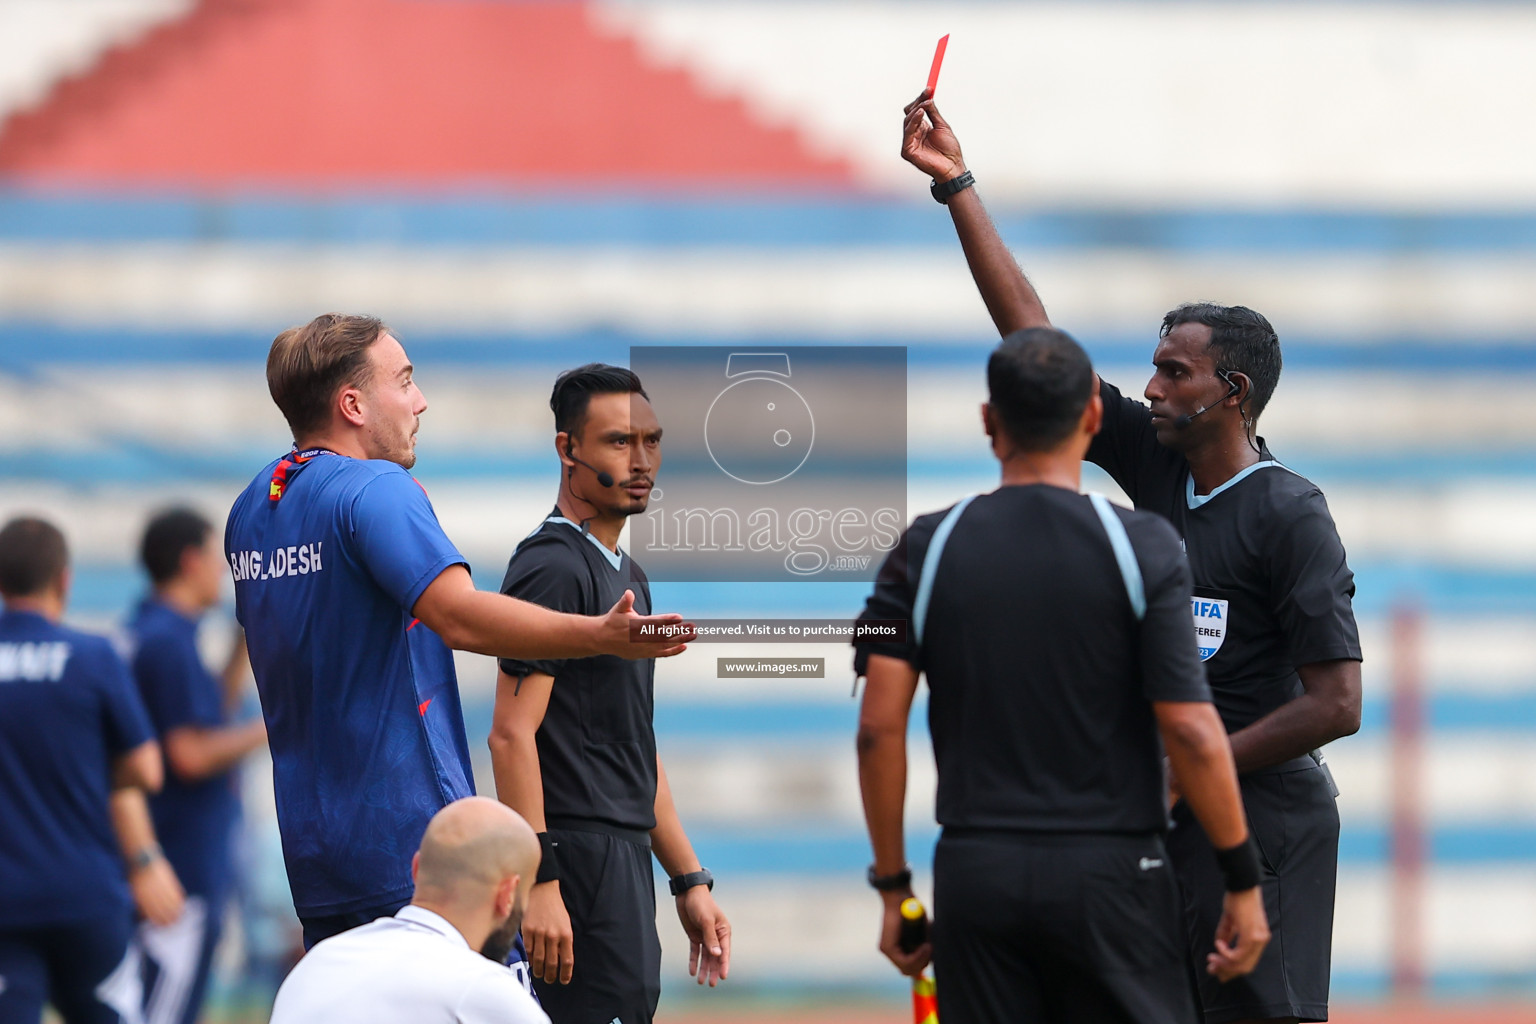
[[1240, 865], [942, 190], [549, 863]]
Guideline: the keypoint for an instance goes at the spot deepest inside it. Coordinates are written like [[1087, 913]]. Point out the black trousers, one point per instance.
[[1076, 929], [84, 969], [1294, 820], [610, 893]]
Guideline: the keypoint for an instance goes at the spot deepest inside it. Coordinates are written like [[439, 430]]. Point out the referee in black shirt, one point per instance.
[[572, 745], [1272, 592], [1054, 632]]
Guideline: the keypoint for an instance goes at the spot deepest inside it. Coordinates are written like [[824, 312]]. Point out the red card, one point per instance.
[[938, 61]]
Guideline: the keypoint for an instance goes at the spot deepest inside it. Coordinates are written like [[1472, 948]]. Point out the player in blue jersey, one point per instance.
[[197, 812], [76, 751], [353, 600]]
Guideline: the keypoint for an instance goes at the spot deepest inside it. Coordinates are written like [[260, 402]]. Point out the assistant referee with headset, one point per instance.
[[572, 743], [1055, 635]]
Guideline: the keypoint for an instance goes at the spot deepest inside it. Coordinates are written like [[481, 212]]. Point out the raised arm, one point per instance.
[[929, 144], [505, 627]]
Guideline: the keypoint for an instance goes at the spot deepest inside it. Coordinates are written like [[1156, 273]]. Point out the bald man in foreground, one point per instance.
[[440, 959]]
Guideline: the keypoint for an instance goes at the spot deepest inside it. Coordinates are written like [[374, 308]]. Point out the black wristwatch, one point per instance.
[[891, 883], [942, 190], [682, 883]]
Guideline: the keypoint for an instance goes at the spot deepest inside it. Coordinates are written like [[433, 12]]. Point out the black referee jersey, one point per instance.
[[1047, 623], [597, 746], [597, 762], [1272, 588], [1041, 676], [1272, 592]]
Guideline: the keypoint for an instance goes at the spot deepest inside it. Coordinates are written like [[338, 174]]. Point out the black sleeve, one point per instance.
[[1311, 587], [894, 594], [1171, 666], [1126, 446], [546, 572]]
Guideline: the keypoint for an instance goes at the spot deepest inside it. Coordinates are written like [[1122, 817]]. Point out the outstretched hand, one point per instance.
[[927, 141], [634, 636]]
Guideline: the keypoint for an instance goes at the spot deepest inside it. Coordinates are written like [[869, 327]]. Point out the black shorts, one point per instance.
[[1293, 818], [610, 893], [1081, 929]]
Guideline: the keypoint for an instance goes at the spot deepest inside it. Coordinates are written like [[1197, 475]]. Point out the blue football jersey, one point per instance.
[[195, 821], [329, 555], [68, 710]]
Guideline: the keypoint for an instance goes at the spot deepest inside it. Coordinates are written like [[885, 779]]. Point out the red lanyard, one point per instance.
[[293, 459]]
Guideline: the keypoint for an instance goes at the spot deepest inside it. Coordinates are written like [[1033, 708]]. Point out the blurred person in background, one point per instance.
[[197, 812], [1054, 632], [572, 740], [77, 754], [1273, 593], [439, 959], [353, 600]]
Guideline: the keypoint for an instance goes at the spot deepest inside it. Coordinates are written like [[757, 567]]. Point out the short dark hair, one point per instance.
[[307, 365], [1241, 340], [1039, 381], [33, 556], [168, 535], [574, 390]]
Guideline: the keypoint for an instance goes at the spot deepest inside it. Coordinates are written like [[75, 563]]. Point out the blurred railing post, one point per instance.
[[1408, 795]]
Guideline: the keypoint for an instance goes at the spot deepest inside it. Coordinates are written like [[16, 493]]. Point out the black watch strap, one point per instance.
[[890, 883], [942, 190], [680, 884]]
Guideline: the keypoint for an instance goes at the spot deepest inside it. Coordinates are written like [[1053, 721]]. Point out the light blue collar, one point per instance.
[[615, 558], [1196, 500]]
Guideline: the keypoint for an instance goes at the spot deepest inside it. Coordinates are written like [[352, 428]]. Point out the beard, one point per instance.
[[498, 944], [393, 445]]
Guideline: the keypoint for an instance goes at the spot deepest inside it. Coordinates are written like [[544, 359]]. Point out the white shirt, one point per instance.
[[414, 968]]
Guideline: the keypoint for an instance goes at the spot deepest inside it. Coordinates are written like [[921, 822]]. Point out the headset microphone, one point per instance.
[[1183, 421], [603, 479], [1232, 388]]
